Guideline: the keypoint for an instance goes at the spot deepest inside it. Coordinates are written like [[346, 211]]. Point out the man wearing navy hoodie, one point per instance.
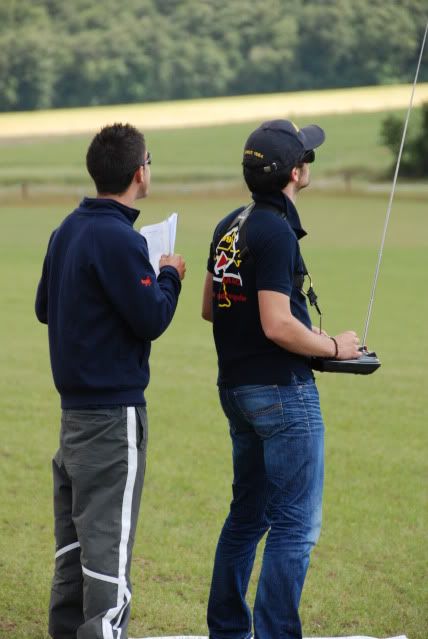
[[103, 305]]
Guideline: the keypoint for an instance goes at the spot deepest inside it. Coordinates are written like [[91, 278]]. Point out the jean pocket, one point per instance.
[[261, 406], [301, 407]]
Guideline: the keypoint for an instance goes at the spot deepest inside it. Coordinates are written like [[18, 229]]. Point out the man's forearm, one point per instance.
[[295, 337]]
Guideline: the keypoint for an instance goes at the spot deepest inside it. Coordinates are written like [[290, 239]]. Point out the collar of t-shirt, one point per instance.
[[283, 204]]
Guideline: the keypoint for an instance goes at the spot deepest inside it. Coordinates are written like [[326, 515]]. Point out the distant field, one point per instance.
[[203, 112], [205, 153], [194, 140], [368, 573]]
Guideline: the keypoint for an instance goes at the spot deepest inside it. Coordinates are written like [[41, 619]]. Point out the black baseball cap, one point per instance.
[[280, 144]]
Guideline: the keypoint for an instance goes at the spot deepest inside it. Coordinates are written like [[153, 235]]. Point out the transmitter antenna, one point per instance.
[[394, 182], [368, 362]]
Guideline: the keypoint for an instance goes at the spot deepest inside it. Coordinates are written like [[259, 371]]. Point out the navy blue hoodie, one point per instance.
[[103, 305]]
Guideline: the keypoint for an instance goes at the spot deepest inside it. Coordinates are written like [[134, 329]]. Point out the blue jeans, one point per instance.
[[278, 462]]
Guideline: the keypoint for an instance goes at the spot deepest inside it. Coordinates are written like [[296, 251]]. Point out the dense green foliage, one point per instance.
[[56, 53], [414, 162]]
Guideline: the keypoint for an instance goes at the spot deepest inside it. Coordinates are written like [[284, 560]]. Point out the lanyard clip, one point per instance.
[[313, 297]]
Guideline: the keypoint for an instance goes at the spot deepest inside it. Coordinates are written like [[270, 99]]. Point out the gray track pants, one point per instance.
[[98, 475]]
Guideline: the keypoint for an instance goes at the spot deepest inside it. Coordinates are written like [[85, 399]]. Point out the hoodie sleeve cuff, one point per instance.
[[170, 271]]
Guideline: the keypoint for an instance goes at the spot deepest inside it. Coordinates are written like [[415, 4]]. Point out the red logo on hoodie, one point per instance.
[[147, 281]]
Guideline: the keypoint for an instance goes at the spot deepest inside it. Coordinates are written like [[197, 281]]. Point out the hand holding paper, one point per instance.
[[176, 261], [161, 240]]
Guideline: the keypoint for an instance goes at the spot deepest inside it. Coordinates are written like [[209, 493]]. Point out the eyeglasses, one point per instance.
[[148, 159], [308, 157]]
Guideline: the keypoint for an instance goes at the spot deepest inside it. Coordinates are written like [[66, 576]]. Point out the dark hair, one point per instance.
[[258, 181], [113, 156]]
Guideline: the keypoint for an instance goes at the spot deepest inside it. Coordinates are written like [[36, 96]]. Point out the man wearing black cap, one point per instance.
[[254, 296]]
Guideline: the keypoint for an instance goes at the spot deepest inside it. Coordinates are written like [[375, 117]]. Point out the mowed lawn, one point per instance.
[[205, 153], [368, 573]]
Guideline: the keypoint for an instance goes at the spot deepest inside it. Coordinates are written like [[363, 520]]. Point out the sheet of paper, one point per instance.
[[160, 239], [172, 224]]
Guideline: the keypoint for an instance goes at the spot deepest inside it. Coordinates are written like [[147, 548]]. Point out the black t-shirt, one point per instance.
[[274, 263]]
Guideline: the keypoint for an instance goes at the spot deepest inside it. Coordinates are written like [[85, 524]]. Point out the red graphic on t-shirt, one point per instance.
[[222, 261], [147, 281]]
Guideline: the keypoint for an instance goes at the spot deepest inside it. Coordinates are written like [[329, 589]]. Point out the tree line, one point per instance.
[[414, 160], [63, 54]]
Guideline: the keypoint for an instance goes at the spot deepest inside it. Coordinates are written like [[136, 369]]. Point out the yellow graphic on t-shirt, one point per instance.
[[226, 268]]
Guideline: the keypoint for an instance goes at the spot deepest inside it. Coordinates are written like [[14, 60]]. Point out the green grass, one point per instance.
[[367, 575], [215, 152]]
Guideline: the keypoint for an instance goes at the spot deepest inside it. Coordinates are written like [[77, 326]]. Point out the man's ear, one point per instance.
[[295, 174], [139, 175]]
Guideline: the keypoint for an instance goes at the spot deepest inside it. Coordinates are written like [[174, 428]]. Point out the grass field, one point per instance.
[[205, 153], [368, 573]]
